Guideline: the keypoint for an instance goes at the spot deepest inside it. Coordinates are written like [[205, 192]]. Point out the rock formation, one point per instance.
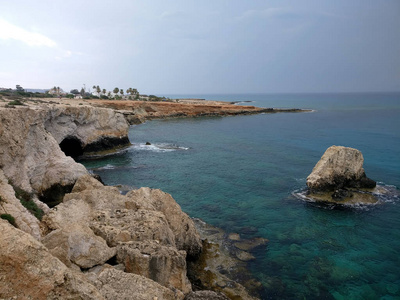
[[81, 130], [89, 241], [338, 175], [30, 153], [137, 112]]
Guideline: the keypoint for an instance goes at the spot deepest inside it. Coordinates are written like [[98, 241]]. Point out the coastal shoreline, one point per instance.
[[85, 123]]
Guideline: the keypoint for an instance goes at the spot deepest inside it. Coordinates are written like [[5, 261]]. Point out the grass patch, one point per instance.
[[16, 102], [9, 218], [26, 200]]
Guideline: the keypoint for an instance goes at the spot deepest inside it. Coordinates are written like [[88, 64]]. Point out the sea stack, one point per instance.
[[338, 176]]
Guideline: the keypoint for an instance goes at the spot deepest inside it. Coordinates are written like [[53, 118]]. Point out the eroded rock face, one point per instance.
[[77, 244], [186, 235], [339, 167], [115, 284], [339, 177], [89, 128], [29, 271], [143, 226], [163, 264], [9, 204], [30, 156]]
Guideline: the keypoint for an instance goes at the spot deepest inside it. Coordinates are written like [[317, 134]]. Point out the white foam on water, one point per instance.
[[160, 147]]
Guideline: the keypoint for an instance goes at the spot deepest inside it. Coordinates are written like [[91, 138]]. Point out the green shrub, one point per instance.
[[9, 218], [16, 102], [26, 200]]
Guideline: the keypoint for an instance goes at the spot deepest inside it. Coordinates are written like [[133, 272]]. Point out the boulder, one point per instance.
[[339, 167], [29, 271], [77, 244], [115, 284], [124, 225], [68, 213], [163, 264], [186, 235], [339, 178]]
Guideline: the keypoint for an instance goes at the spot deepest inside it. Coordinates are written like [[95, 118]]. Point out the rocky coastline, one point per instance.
[[137, 112], [67, 236]]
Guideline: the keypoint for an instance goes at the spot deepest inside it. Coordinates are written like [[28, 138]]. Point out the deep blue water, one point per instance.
[[239, 173]]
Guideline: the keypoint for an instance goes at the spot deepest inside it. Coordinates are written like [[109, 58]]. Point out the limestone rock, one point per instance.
[[186, 235], [98, 196], [29, 154], [123, 225], [91, 128], [339, 167], [77, 244], [29, 271], [9, 204], [68, 213], [163, 264], [115, 284]]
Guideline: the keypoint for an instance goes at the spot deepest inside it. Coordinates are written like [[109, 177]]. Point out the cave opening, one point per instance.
[[71, 146]]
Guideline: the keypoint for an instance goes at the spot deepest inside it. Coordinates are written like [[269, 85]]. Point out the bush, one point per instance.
[[16, 102], [9, 218], [26, 200]]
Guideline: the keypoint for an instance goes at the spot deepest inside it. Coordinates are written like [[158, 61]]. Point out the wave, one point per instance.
[[383, 193], [159, 147]]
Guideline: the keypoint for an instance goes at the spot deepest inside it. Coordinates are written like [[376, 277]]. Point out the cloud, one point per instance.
[[284, 13], [273, 12], [10, 31]]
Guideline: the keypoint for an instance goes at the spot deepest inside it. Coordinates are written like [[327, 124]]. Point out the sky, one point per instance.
[[202, 47]]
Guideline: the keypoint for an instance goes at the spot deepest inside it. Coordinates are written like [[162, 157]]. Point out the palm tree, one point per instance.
[[115, 91], [121, 91], [98, 90]]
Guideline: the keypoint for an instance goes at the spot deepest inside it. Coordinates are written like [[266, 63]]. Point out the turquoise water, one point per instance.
[[239, 173]]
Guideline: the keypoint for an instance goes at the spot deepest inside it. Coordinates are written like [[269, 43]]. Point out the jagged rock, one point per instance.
[[68, 213], [115, 284], [219, 267], [338, 178], [30, 156], [77, 244], [206, 295], [98, 196], [92, 129], [29, 271], [186, 235], [123, 225], [163, 264], [9, 204], [339, 167]]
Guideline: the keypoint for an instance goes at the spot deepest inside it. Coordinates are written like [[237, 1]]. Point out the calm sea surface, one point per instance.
[[239, 173]]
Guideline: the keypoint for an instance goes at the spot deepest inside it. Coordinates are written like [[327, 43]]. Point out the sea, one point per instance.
[[244, 174]]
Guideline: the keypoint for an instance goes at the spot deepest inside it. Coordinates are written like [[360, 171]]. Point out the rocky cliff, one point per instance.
[[35, 140], [64, 235]]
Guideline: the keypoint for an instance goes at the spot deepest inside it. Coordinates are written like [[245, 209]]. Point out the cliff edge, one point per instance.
[[66, 235]]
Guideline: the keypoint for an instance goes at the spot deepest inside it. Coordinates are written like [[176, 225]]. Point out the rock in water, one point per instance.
[[338, 175], [339, 167]]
